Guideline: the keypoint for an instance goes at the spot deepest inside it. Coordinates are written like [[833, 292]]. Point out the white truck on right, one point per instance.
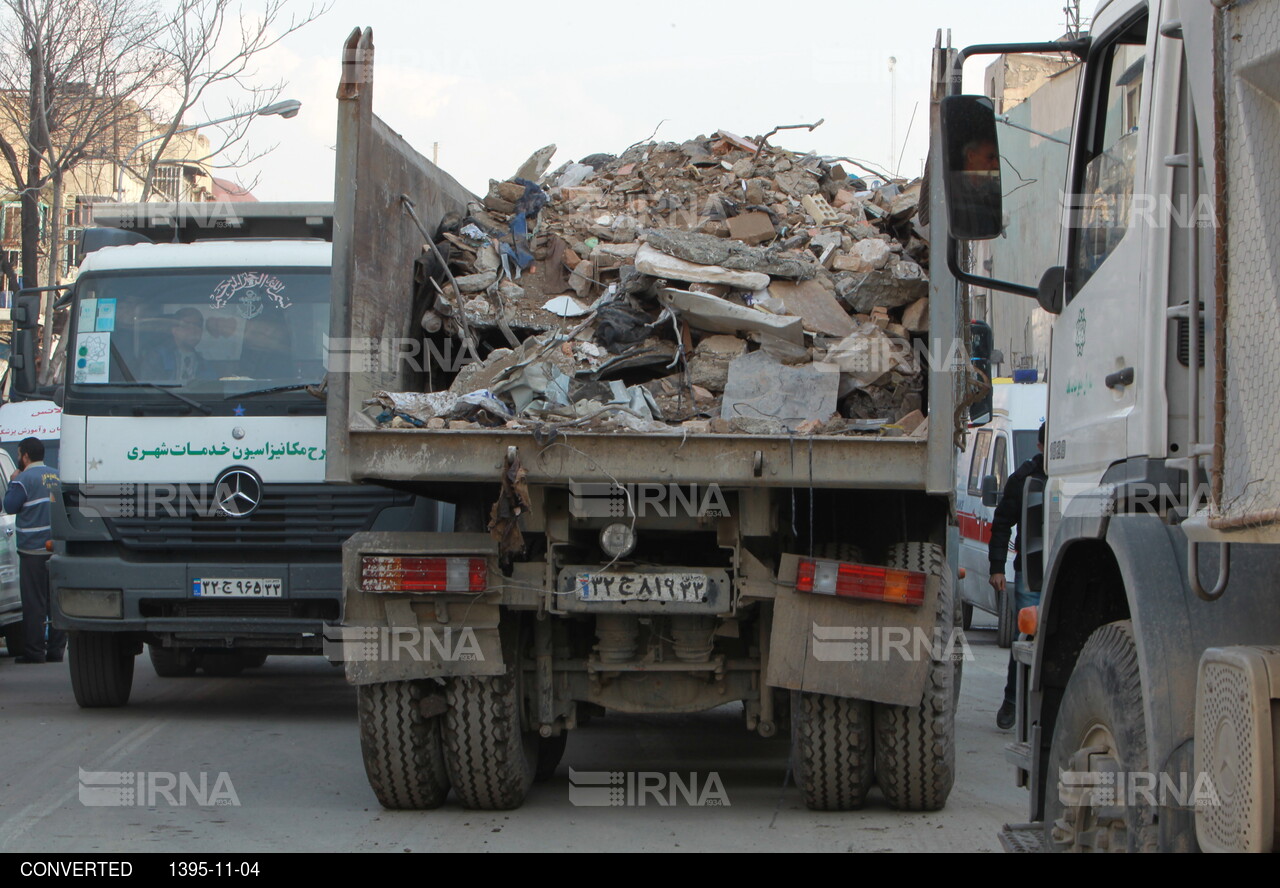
[[1148, 714]]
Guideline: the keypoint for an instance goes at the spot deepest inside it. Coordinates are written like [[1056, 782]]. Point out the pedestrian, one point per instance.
[[1007, 517], [31, 489]]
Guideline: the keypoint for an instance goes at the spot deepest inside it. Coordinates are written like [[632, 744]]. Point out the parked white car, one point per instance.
[[10, 596], [993, 451]]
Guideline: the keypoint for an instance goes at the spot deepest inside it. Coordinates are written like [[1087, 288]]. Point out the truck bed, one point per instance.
[[382, 183], [869, 463]]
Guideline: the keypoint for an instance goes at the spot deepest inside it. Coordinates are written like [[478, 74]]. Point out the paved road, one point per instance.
[[285, 735]]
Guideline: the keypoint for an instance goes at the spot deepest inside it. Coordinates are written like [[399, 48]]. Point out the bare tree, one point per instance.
[[210, 49], [72, 74]]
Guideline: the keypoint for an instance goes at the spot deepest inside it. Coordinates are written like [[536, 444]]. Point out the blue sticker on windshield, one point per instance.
[[106, 316]]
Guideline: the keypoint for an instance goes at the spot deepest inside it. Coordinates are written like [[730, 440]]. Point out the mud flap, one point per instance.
[[849, 648]]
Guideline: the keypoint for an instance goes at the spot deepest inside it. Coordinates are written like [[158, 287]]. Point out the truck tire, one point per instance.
[[101, 665], [171, 662], [915, 745], [491, 760], [401, 748], [253, 659], [550, 752], [831, 755], [1100, 727], [966, 616], [1007, 619]]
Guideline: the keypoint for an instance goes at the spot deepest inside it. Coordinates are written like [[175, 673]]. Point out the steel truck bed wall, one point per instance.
[[376, 243]]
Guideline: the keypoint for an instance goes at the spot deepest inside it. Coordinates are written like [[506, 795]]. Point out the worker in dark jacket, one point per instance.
[[1008, 514], [28, 498]]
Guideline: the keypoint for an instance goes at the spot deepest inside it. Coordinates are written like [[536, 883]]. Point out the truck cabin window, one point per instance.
[[1103, 201], [208, 331]]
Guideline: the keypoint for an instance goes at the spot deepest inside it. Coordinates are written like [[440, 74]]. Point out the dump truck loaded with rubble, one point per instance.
[[681, 400]]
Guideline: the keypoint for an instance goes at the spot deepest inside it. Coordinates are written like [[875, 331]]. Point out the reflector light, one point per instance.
[[393, 573], [1028, 618], [867, 581]]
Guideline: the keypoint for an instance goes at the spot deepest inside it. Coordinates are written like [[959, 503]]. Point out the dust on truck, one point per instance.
[[1148, 700], [477, 651]]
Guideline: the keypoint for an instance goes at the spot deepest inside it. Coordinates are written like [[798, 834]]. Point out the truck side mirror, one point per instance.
[[1052, 292], [22, 359], [26, 311], [971, 168], [990, 491]]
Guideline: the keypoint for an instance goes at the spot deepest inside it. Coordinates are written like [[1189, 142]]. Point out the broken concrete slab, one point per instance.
[[816, 305], [861, 293], [705, 249], [661, 265], [476, 283], [759, 388], [536, 166], [703, 312]]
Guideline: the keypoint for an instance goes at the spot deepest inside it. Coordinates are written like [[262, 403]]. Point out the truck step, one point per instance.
[[1018, 754], [1022, 838], [1023, 651]]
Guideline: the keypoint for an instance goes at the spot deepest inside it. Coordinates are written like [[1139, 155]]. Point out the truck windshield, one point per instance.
[[207, 334]]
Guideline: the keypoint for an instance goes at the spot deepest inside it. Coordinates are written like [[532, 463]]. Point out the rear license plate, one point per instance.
[[240, 587], [687, 588]]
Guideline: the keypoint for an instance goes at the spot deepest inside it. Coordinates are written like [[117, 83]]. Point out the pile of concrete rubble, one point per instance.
[[717, 286]]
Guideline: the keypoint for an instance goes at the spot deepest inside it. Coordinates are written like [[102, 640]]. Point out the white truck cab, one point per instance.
[[195, 517], [1153, 543]]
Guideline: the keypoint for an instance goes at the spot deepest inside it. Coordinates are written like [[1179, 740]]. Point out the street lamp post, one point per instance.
[[286, 109]]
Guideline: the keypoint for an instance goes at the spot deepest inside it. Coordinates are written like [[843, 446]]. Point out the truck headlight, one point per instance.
[[107, 603], [618, 540]]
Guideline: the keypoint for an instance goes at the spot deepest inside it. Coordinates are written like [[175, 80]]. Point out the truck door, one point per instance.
[[1094, 374]]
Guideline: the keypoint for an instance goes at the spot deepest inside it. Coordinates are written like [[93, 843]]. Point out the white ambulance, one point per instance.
[[993, 452]]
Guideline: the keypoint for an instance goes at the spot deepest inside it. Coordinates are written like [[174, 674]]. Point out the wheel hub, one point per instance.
[[1093, 811]]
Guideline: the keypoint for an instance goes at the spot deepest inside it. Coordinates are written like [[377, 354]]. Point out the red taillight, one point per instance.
[[867, 581], [394, 573]]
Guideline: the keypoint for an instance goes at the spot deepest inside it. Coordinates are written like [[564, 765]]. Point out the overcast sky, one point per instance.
[[494, 81]]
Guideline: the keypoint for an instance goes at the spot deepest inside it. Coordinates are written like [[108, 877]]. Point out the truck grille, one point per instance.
[[300, 516]]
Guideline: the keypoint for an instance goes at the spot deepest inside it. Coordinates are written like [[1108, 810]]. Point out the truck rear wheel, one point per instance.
[[401, 748], [831, 750], [171, 662], [101, 665], [491, 759], [1006, 619], [1100, 729], [915, 745]]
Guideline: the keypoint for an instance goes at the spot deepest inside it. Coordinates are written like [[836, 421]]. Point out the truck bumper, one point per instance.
[[155, 598]]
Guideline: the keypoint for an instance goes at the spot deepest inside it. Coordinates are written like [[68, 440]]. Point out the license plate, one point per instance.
[[687, 588], [241, 587]]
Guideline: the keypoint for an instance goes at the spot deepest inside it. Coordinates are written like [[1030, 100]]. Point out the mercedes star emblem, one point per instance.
[[238, 493]]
